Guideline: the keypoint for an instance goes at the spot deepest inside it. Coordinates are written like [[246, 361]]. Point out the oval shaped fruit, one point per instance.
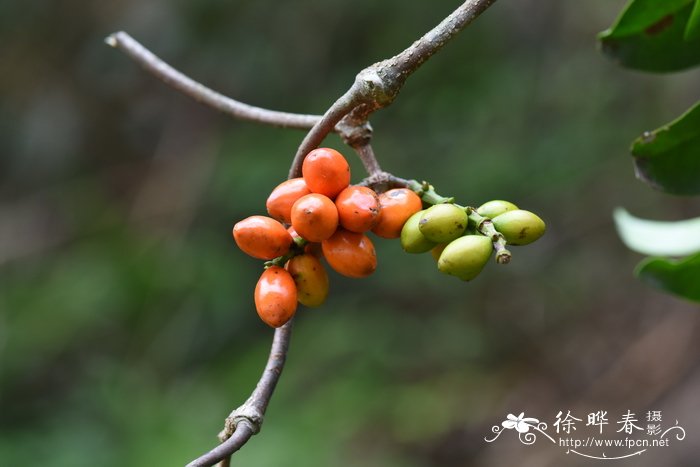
[[350, 253], [519, 227], [495, 208], [326, 171], [275, 296], [262, 237], [358, 208], [412, 240], [466, 256], [443, 223], [397, 206], [310, 278], [314, 217], [279, 203], [437, 251]]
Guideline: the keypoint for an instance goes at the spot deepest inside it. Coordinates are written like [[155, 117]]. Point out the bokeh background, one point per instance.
[[127, 327]]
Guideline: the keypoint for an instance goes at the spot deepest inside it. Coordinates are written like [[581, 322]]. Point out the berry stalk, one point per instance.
[[484, 226], [296, 250]]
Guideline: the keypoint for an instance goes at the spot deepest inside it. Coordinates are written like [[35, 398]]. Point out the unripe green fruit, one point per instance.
[[466, 256], [495, 208], [519, 227], [412, 240], [443, 223]]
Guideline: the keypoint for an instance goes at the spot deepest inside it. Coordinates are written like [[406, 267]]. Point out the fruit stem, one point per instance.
[[483, 224], [427, 192], [486, 227], [296, 250]]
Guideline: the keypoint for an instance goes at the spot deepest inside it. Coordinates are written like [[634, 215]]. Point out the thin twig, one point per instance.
[[157, 67], [374, 87], [225, 449], [369, 160], [414, 56], [240, 425], [323, 127], [393, 72], [377, 86]]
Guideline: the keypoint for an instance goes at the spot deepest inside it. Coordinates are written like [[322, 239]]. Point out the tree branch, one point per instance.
[[246, 420], [377, 86], [374, 87], [366, 154], [323, 127], [177, 80]]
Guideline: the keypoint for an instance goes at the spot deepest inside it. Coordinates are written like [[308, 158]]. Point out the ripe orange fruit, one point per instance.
[[310, 278], [314, 217], [358, 208], [262, 237], [397, 206], [326, 172], [350, 253], [276, 296], [279, 203]]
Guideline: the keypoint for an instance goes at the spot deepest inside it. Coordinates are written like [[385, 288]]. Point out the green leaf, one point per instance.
[[668, 158], [658, 238], [652, 35], [692, 29], [639, 14], [679, 277]]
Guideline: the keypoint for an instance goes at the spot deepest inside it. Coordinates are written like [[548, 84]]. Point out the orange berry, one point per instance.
[[310, 278], [279, 203], [326, 172], [358, 208], [397, 206], [276, 296], [350, 253], [314, 217], [262, 237]]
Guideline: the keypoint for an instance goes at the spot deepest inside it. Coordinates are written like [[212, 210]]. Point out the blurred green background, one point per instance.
[[127, 326]]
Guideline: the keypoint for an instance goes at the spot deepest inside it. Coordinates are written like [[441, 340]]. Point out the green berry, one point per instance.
[[443, 223], [495, 208], [519, 227], [466, 256], [412, 240]]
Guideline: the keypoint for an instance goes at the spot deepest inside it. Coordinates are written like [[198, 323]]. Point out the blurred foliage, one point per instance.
[[675, 238], [660, 35], [675, 276], [655, 35], [127, 327], [668, 158]]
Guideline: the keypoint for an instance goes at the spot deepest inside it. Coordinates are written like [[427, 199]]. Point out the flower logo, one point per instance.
[[520, 423]]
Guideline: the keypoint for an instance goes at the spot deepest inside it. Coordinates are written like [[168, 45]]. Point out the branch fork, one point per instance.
[[247, 413], [375, 87]]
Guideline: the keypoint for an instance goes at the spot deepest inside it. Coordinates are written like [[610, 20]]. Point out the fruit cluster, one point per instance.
[[321, 214], [461, 239], [326, 217]]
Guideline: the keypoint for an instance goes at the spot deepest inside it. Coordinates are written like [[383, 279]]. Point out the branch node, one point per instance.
[[247, 413], [354, 133], [374, 88]]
